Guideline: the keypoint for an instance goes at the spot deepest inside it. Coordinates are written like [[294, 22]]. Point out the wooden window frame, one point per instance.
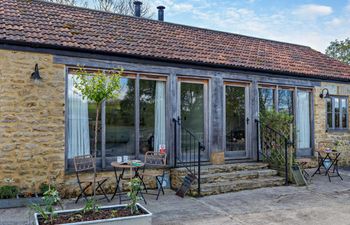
[[340, 128], [103, 162]]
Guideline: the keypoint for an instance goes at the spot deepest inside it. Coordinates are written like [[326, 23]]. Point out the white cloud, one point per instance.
[[312, 11], [335, 22], [182, 7]]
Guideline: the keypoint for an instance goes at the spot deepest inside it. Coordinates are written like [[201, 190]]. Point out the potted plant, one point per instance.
[[133, 213], [11, 197]]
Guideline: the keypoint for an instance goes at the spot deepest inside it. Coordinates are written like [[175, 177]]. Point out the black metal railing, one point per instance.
[[273, 148], [189, 153]]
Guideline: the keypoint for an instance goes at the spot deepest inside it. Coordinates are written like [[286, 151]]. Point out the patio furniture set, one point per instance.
[[153, 166], [327, 162]]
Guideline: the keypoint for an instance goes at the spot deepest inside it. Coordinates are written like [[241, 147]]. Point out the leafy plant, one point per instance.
[[339, 49], [90, 206], [8, 191], [279, 121], [97, 87], [135, 188], [114, 214], [44, 187], [50, 199], [274, 145]]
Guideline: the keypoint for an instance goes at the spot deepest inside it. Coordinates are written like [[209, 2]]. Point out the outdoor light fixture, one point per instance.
[[323, 94], [36, 75]]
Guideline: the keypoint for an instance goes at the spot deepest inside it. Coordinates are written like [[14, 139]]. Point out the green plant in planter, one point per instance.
[[135, 188], [90, 206], [8, 191], [44, 187], [47, 212]]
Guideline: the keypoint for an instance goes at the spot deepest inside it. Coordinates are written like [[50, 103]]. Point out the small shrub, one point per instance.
[[279, 121], [47, 212], [44, 187], [135, 188], [90, 206], [8, 191]]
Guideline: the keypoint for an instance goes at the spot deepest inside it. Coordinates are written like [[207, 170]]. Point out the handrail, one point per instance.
[[265, 152], [192, 159], [267, 126]]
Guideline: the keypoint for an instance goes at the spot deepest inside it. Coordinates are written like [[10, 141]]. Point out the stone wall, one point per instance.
[[31, 119], [321, 135], [32, 125]]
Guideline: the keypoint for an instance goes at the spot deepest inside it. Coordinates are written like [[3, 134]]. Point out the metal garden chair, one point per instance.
[[84, 164], [154, 160]]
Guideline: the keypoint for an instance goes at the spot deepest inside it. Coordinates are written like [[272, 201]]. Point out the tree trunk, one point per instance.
[[95, 149]]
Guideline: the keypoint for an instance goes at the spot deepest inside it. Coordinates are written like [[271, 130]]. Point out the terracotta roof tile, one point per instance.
[[37, 22]]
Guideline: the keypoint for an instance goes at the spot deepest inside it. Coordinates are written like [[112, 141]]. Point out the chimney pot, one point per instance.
[[137, 8], [161, 12]]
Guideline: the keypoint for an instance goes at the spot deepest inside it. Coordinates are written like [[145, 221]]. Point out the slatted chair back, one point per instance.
[[155, 159], [323, 145], [84, 163]]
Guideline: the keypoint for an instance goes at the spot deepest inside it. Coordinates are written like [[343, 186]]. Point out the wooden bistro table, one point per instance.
[[133, 174]]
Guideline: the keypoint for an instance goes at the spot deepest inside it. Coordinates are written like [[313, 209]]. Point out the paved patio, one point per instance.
[[320, 203]]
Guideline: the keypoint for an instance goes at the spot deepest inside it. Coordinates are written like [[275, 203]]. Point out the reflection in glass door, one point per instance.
[[192, 101], [236, 121]]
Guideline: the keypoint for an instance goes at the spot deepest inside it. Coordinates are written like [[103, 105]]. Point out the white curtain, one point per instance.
[[303, 119], [78, 122], [159, 116]]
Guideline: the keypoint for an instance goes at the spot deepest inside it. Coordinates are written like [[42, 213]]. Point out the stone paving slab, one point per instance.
[[320, 203]]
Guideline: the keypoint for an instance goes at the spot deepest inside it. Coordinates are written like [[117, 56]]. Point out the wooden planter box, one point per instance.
[[19, 202], [145, 219]]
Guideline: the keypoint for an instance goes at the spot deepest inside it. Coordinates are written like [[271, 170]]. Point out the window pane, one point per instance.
[[192, 113], [336, 120], [303, 119], [343, 106], [92, 124], [81, 122], [285, 101], [344, 121], [152, 115], [266, 97], [120, 125], [336, 105], [329, 120], [344, 111], [329, 105], [235, 118]]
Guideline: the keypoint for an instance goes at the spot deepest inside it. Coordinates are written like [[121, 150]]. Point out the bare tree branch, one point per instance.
[[125, 7]]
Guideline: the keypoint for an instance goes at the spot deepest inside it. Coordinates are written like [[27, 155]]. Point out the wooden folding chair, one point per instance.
[[154, 160], [83, 164]]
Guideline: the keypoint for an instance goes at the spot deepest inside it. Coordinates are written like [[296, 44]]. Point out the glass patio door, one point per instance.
[[192, 113], [236, 120]]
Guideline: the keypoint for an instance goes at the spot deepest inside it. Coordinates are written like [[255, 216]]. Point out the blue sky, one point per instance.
[[307, 22]]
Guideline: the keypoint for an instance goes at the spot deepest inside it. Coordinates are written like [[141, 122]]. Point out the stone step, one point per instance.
[[226, 168], [237, 185], [237, 175]]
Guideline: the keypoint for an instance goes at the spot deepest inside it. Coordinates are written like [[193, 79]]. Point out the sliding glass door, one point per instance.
[[192, 99], [236, 120]]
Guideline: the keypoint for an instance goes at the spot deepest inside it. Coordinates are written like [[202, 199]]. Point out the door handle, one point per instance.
[[247, 120]]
